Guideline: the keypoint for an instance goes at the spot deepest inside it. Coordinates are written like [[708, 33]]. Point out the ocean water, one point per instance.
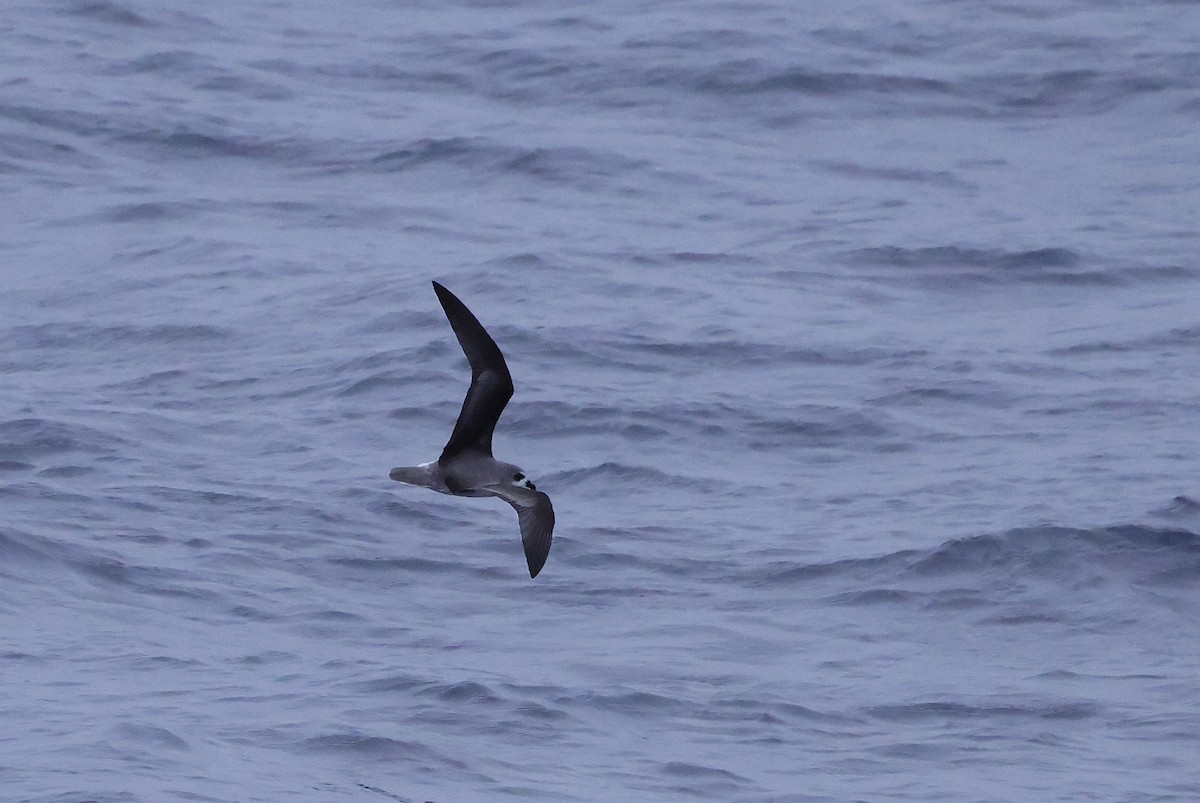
[[858, 346]]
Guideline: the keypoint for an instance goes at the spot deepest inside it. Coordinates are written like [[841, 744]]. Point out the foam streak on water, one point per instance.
[[857, 348]]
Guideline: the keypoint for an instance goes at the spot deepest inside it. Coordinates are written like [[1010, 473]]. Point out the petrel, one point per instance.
[[466, 467]]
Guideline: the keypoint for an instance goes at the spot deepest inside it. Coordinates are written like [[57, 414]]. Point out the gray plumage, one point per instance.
[[466, 466]]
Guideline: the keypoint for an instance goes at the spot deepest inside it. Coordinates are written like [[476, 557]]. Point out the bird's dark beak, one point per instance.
[[530, 485]]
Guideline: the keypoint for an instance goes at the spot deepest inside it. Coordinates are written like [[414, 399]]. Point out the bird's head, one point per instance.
[[519, 479]]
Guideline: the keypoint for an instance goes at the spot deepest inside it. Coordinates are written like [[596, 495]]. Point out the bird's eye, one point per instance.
[[518, 477]]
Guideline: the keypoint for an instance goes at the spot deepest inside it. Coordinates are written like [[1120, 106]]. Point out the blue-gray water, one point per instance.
[[858, 346]]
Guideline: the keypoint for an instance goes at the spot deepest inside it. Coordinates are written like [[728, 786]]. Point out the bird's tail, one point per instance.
[[412, 475]]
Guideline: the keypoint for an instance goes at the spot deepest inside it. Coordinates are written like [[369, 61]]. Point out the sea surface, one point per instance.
[[857, 344]]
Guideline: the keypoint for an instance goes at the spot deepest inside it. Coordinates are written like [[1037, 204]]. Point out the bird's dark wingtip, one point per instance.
[[455, 309], [536, 555]]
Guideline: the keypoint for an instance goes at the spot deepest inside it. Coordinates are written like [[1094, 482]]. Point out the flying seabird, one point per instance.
[[466, 467]]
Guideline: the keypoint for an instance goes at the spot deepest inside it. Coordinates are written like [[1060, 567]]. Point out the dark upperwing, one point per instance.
[[491, 384]]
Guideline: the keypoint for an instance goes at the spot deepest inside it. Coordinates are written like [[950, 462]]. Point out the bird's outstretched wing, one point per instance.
[[491, 384], [536, 516]]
